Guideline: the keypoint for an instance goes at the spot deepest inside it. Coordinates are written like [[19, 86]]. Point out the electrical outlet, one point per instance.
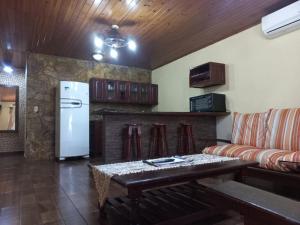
[[36, 109]]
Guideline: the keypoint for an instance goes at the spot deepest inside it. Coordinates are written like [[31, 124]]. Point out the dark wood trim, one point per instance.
[[166, 177], [169, 113], [136, 184], [286, 178], [176, 205], [215, 140], [265, 207], [11, 153]]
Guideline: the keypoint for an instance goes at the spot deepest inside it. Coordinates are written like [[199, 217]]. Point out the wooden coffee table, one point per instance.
[[138, 184]]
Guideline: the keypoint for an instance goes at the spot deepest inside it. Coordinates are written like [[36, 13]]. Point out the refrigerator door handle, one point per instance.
[[70, 103]]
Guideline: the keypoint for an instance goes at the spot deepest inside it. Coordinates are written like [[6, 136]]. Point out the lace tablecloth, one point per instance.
[[104, 173]]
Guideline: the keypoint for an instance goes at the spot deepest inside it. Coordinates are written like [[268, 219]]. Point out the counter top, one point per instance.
[[167, 113]]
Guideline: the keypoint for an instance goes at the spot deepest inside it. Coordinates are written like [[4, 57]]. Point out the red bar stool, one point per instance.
[[158, 141], [132, 142], [186, 142]]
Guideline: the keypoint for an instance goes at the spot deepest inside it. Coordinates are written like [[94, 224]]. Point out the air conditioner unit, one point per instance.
[[282, 21]]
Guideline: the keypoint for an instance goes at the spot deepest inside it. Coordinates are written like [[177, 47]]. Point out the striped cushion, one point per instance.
[[249, 129], [292, 156], [230, 150], [268, 159], [283, 129]]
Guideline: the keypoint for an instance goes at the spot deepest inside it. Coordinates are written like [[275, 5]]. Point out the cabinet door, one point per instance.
[[145, 94], [110, 90], [154, 94], [123, 91], [134, 93], [96, 90]]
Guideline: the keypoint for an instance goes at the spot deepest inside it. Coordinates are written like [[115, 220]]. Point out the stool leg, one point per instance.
[[165, 142], [134, 144], [193, 141], [127, 147], [160, 142], [180, 141], [138, 143], [153, 143], [188, 140]]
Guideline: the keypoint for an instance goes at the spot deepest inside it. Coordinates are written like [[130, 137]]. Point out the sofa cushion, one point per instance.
[[283, 129], [229, 150], [267, 158], [249, 129]]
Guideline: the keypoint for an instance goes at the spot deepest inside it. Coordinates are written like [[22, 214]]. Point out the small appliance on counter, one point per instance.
[[72, 120], [208, 103]]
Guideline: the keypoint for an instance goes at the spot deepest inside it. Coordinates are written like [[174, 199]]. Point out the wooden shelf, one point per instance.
[[206, 75]]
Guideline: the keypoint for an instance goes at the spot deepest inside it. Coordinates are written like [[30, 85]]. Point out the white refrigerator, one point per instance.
[[72, 120]]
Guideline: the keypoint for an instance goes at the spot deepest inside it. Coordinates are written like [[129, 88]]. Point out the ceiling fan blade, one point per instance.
[[101, 20], [127, 23]]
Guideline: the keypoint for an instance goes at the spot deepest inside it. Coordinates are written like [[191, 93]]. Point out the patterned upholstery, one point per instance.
[[249, 129], [230, 150], [292, 157], [264, 137], [268, 159], [283, 129]]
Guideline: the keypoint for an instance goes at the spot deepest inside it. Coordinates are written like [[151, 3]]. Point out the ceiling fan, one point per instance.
[[112, 40]]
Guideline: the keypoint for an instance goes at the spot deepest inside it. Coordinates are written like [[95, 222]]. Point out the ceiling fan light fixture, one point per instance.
[[114, 53], [132, 45], [98, 42], [98, 56], [8, 69], [131, 3]]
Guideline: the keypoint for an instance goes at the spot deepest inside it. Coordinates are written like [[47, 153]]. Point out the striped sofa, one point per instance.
[[267, 138]]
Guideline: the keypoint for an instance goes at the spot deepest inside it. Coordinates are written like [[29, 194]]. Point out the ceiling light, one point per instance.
[[98, 42], [8, 46], [113, 53], [7, 69], [98, 56], [132, 45], [131, 3], [97, 2]]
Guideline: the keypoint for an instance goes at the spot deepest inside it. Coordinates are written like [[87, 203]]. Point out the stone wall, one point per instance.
[[44, 73], [14, 142]]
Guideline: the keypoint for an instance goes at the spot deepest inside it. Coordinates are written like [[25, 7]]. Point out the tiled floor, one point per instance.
[[50, 193]]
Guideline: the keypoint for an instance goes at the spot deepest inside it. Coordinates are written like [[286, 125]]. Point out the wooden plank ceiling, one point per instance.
[[164, 29]]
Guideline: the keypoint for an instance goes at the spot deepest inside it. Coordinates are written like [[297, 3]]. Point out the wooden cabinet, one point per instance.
[[110, 90], [117, 91], [154, 94], [96, 90], [123, 91], [133, 92], [206, 75], [145, 94]]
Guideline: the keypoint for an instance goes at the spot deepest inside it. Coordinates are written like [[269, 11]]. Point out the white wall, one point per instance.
[[260, 74]]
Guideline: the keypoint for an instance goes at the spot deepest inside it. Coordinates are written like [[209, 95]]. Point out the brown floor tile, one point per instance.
[[50, 217], [50, 193]]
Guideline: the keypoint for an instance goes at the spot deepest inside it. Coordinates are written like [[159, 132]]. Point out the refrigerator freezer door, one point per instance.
[[74, 90], [74, 131]]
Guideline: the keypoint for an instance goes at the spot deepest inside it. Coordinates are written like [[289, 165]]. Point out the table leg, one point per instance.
[[135, 208], [102, 215]]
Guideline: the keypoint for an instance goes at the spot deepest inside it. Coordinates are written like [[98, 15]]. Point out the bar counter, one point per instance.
[[107, 132]]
